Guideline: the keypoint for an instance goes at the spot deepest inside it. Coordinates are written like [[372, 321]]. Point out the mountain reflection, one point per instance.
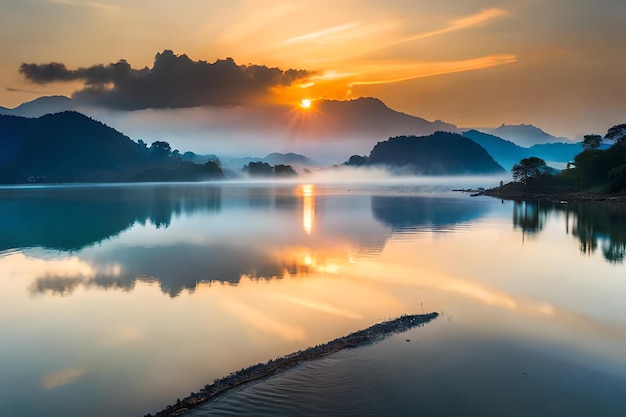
[[71, 218], [594, 224], [260, 232], [405, 213], [174, 267]]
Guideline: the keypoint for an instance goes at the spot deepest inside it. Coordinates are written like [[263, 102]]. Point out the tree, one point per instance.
[[592, 142], [160, 149], [213, 169], [259, 169], [617, 134], [531, 167], [281, 170], [357, 161], [617, 178]]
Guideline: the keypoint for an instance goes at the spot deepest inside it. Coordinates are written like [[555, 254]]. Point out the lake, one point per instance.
[[115, 300]]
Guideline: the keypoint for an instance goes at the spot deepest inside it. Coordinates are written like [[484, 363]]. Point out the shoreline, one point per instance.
[[370, 335], [508, 192]]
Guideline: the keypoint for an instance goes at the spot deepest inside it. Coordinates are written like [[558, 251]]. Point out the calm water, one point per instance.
[[117, 300]]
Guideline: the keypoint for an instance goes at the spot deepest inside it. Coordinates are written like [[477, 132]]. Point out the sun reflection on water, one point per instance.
[[308, 208]]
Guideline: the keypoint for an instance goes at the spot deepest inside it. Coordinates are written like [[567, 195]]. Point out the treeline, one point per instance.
[[593, 170], [263, 169], [71, 147]]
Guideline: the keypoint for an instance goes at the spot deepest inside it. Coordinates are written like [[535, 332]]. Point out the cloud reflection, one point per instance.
[[61, 378]]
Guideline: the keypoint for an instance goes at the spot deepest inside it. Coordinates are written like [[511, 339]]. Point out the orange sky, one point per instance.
[[557, 64]]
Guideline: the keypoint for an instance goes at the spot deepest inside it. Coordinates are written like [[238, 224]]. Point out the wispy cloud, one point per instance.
[[92, 4], [322, 35], [386, 73], [263, 17], [467, 22]]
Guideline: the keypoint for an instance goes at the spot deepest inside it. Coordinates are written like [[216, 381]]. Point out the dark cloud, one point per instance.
[[174, 81]]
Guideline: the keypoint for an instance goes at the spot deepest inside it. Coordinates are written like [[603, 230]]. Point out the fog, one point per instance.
[[241, 131], [355, 177]]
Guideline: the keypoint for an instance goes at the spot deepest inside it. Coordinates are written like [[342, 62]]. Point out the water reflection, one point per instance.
[[71, 218], [406, 213], [529, 216], [594, 224], [175, 268], [208, 279], [308, 208]]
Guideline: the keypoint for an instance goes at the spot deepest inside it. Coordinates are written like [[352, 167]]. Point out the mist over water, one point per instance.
[[383, 178]]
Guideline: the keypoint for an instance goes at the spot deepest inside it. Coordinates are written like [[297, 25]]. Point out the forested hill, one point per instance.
[[438, 154], [71, 147]]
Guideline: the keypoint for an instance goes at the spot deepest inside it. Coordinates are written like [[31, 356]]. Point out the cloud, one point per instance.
[[466, 22], [393, 73], [95, 5], [322, 34], [174, 81]]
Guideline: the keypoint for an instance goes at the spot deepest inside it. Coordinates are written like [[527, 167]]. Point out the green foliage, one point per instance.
[[438, 154], [259, 169], [281, 170], [71, 147], [590, 168], [617, 134], [263, 169], [357, 161], [617, 178], [527, 168], [213, 169], [160, 149], [602, 168], [592, 142]]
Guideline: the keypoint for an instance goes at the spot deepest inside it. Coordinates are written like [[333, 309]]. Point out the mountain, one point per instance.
[[508, 153], [371, 115], [505, 152], [71, 147], [557, 152], [524, 135], [290, 158], [326, 132], [441, 153], [41, 106]]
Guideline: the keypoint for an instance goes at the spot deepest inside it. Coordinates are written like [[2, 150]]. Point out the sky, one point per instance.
[[557, 64]]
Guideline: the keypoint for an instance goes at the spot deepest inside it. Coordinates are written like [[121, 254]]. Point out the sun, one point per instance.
[[305, 103]]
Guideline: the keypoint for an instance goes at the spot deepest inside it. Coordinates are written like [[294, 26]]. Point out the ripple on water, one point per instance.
[[330, 391]]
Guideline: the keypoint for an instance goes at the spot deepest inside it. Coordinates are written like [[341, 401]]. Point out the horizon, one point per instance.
[[479, 64]]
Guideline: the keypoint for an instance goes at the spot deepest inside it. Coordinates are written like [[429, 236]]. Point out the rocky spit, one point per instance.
[[363, 337]]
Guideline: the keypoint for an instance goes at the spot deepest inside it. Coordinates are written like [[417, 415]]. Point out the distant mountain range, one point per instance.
[[508, 153], [372, 116], [326, 133], [524, 135], [41, 106]]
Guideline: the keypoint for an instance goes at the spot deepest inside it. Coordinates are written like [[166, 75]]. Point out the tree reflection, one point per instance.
[[403, 213], [70, 218], [593, 224], [175, 268], [529, 216]]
